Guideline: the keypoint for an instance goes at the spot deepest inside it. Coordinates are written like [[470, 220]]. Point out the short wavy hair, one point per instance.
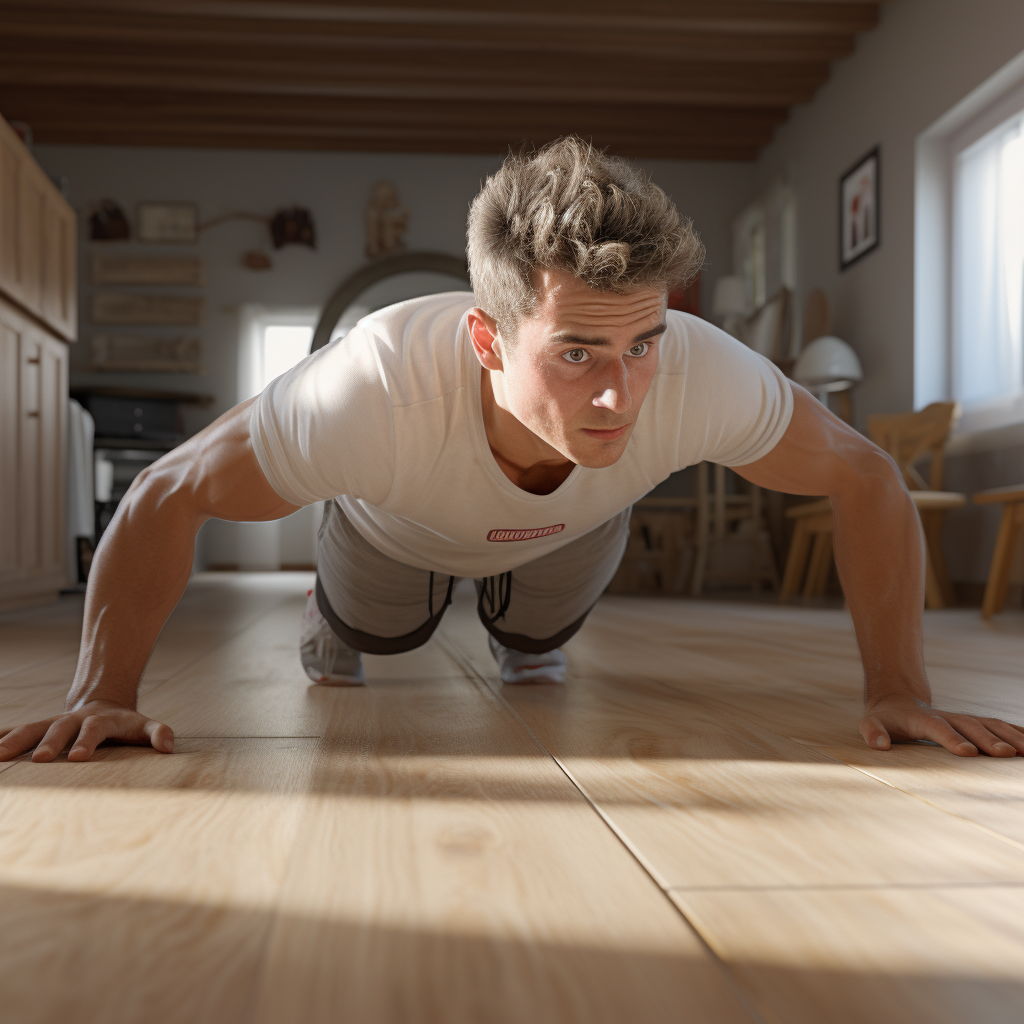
[[569, 206]]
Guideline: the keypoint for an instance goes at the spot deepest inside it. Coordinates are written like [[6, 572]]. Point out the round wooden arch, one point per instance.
[[352, 287]]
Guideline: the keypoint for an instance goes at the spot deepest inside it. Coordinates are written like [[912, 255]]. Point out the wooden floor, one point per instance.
[[689, 829]]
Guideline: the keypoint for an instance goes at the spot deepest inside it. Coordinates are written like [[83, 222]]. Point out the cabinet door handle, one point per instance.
[[33, 413], [33, 359]]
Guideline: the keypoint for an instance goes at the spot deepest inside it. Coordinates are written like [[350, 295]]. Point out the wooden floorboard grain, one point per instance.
[[941, 956], [141, 886], [802, 695], [33, 636], [706, 798], [254, 684], [214, 608], [420, 856], [449, 872]]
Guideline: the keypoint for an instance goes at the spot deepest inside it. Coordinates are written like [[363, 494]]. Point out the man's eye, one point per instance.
[[640, 349], [576, 355]]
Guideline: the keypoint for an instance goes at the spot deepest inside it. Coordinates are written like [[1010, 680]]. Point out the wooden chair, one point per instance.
[[907, 437], [1012, 500], [729, 519], [660, 539], [812, 542]]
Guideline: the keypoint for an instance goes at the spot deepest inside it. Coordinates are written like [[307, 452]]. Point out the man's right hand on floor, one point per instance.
[[85, 729]]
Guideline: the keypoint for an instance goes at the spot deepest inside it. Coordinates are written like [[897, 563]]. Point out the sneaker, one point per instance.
[[325, 656], [517, 667]]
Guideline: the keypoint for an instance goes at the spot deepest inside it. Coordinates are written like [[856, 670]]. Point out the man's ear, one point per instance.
[[483, 329]]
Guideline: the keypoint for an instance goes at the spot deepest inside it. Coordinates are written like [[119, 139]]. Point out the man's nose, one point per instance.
[[615, 396]]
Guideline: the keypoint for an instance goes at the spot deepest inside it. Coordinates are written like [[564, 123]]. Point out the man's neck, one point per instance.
[[529, 462]]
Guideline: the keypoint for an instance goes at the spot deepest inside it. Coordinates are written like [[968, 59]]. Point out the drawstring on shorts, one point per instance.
[[447, 597], [500, 600]]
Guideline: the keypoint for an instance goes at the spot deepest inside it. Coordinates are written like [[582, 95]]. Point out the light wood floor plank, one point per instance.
[[889, 956], [708, 799], [449, 872], [817, 703], [33, 636], [215, 608], [141, 887], [254, 684]]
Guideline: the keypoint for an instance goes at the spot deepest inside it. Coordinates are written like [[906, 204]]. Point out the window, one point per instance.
[[283, 346], [988, 266], [271, 342]]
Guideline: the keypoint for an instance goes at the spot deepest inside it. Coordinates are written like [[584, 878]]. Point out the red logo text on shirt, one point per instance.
[[540, 531]]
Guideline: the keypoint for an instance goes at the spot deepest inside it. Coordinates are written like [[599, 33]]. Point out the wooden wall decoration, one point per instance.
[[128, 353], [150, 270], [131, 309], [686, 79], [176, 223]]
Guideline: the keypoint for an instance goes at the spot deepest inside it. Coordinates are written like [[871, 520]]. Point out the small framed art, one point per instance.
[[168, 222], [859, 210]]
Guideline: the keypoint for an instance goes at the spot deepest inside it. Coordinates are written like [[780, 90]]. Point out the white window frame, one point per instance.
[[253, 322], [994, 423], [992, 413]]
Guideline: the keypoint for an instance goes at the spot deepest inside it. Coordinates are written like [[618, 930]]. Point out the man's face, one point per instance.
[[582, 365]]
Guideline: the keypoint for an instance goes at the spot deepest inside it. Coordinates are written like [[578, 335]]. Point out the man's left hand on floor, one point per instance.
[[903, 719]]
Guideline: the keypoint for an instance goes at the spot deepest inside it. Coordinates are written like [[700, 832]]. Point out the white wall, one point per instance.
[[921, 61], [335, 187], [924, 57]]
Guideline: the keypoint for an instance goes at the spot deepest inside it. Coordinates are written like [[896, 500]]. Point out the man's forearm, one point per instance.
[[138, 575], [879, 550]]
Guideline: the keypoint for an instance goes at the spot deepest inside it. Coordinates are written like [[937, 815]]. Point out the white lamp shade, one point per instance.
[[730, 298], [828, 364]]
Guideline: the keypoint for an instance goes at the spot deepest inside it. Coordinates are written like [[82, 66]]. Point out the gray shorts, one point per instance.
[[380, 606]]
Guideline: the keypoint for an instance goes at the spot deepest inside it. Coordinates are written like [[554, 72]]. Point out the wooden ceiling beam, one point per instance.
[[231, 135], [51, 106], [36, 30], [430, 128], [751, 16], [436, 79], [680, 149], [696, 79]]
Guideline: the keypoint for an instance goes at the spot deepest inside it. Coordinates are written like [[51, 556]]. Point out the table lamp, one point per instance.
[[827, 364]]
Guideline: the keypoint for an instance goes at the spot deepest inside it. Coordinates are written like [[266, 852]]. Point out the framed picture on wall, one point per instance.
[[859, 210], [168, 222]]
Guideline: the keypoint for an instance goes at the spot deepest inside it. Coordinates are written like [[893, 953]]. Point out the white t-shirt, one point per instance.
[[388, 421]]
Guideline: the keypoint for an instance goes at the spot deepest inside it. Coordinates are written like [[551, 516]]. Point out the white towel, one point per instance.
[[81, 509]]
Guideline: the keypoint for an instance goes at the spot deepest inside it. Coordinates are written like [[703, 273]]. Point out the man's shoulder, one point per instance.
[[416, 344], [688, 338]]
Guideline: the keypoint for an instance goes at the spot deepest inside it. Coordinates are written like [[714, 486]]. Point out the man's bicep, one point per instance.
[[221, 475], [815, 455]]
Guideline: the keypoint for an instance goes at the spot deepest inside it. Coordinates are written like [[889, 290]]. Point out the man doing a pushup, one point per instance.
[[503, 436]]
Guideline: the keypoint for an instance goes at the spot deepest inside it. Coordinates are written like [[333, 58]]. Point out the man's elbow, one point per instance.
[[162, 490], [870, 476]]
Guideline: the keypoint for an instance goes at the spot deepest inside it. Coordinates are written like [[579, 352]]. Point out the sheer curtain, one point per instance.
[[988, 267]]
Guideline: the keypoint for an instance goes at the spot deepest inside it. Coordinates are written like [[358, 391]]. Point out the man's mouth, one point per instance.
[[606, 435]]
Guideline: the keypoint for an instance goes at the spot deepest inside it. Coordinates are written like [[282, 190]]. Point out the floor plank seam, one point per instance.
[[848, 887], [250, 736], [977, 824], [29, 668], [863, 771], [199, 657], [746, 1001]]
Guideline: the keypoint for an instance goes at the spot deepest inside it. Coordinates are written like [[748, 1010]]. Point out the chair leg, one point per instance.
[[999, 571], [796, 562], [932, 590], [703, 532], [932, 522], [821, 565]]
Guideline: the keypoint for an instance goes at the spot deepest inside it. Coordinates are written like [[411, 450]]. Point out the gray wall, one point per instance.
[[924, 58], [335, 187]]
